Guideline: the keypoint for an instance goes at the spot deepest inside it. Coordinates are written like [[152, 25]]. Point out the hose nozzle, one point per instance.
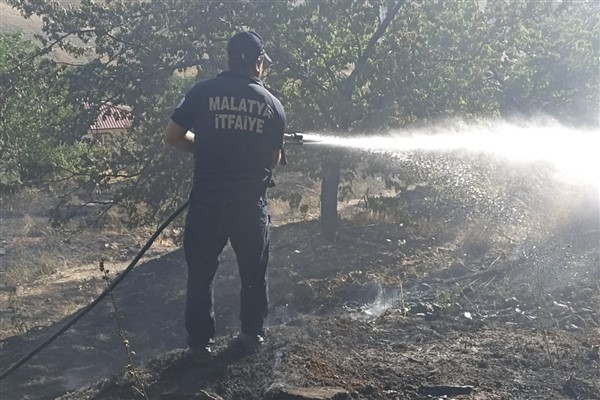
[[295, 138]]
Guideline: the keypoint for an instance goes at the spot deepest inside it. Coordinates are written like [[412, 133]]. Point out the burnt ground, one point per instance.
[[438, 302]]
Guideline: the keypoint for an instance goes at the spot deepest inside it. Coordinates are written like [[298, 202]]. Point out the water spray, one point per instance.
[[571, 152]]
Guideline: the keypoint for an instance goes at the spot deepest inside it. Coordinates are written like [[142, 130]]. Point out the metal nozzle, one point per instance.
[[295, 138]]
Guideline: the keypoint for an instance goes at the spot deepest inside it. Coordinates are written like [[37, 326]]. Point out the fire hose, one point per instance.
[[106, 291], [294, 137]]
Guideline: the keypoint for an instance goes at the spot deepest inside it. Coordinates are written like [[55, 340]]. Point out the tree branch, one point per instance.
[[351, 82]]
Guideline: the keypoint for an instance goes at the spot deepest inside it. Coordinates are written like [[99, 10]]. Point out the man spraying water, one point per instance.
[[237, 140]]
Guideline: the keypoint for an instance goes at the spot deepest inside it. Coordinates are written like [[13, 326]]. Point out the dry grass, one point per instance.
[[31, 248]]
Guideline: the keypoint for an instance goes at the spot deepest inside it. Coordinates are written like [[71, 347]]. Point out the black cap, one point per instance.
[[247, 46]]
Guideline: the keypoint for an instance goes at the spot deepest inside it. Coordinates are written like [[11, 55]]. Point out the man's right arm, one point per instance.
[[278, 154], [179, 137]]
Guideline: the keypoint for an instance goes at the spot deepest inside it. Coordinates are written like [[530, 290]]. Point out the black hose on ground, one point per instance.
[[106, 291]]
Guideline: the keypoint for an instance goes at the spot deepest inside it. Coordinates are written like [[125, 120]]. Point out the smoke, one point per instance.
[[572, 152]]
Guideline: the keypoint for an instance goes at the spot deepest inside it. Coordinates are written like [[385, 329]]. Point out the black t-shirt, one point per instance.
[[237, 124]]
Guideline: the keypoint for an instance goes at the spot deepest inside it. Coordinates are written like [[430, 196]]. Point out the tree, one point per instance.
[[358, 66], [31, 107], [142, 53], [549, 62], [341, 66], [139, 45], [323, 70]]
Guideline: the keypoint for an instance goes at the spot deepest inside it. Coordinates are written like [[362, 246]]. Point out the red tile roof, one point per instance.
[[111, 117]]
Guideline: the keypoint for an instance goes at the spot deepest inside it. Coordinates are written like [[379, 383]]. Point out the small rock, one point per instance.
[[437, 308], [572, 328], [511, 302], [282, 392], [432, 317], [421, 308]]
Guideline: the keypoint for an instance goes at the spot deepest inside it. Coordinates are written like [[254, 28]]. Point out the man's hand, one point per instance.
[[179, 137]]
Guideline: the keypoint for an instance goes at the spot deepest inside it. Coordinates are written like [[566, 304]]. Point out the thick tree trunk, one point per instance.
[[332, 163], [329, 192]]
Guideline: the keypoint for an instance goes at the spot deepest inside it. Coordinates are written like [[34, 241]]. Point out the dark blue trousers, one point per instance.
[[207, 230]]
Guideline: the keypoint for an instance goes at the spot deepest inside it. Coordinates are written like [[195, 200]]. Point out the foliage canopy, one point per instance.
[[343, 66], [32, 110]]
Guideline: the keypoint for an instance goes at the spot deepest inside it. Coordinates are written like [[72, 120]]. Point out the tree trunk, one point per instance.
[[332, 163], [329, 192]]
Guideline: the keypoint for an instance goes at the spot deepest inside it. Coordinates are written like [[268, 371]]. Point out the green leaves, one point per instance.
[[535, 67], [338, 67], [31, 108]]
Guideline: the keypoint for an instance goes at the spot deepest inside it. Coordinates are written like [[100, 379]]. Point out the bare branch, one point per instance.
[[370, 49]]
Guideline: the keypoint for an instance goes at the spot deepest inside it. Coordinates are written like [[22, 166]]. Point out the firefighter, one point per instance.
[[234, 127]]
